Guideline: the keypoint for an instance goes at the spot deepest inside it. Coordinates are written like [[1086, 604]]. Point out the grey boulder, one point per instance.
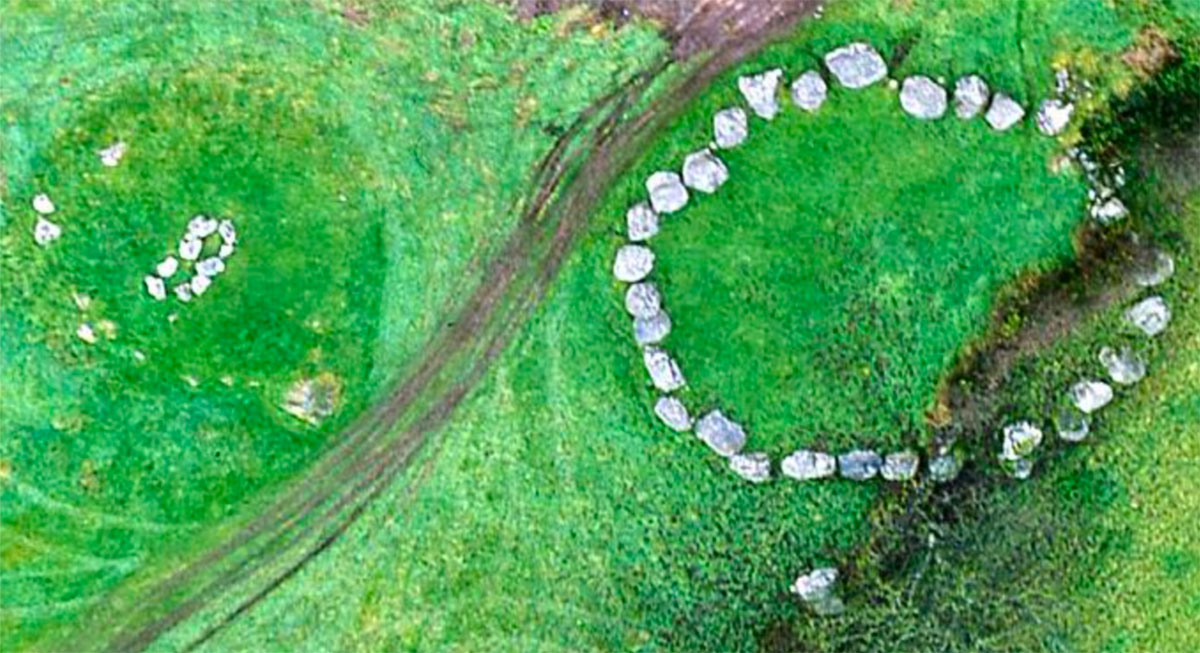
[[651, 330], [673, 413], [971, 95], [805, 465], [1004, 113], [1124, 367], [664, 371], [754, 467], [730, 127], [721, 434], [704, 172], [761, 92], [1151, 315], [641, 222], [859, 465], [923, 98], [1154, 269], [809, 91], [1020, 440], [1072, 425], [900, 466], [643, 300], [944, 468], [1091, 396], [667, 193], [857, 65], [633, 263], [1054, 116]]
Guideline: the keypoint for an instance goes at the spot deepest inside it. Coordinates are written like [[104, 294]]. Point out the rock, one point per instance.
[[82, 300], [86, 333], [857, 65], [664, 371], [641, 222], [730, 127], [860, 465], [226, 250], [1124, 367], [900, 466], [199, 284], [313, 399], [816, 590], [809, 91], [1003, 113], [704, 172], [1020, 440], [1054, 116], [201, 227], [211, 266], [971, 95], [112, 155], [804, 465], [42, 204], [1091, 396], [189, 248], [183, 292], [167, 268], [667, 193], [762, 92], [1151, 315], [227, 232], [1110, 210], [1072, 425], [1020, 468], [754, 467], [673, 413], [720, 433], [156, 287], [922, 98], [643, 300], [1154, 269], [45, 232], [633, 263], [944, 468], [651, 330]]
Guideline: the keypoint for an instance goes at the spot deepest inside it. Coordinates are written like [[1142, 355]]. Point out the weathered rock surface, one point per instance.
[[1124, 367], [1072, 425], [1110, 210], [1091, 396], [971, 95], [900, 466], [923, 98], [859, 465], [754, 467], [721, 434], [641, 222], [762, 92], [730, 127], [42, 204], [1020, 440], [651, 330], [1004, 113], [1054, 116], [944, 468], [667, 193], [1156, 269], [633, 263], [45, 232], [156, 287], [643, 300], [857, 65], [805, 465], [673, 413], [664, 371], [809, 91], [704, 172], [1151, 315]]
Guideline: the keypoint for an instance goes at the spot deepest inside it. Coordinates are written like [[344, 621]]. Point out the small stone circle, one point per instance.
[[191, 246]]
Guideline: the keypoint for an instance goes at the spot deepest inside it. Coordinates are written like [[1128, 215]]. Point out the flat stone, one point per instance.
[[112, 155], [816, 585], [754, 467], [167, 267], [664, 371], [200, 284], [704, 172], [971, 95], [643, 299], [1110, 210], [1091, 396], [1054, 116], [762, 92], [45, 232], [667, 193], [673, 413], [731, 127], [721, 434], [641, 222], [1125, 367], [1020, 440], [900, 466], [1072, 425], [190, 247], [633, 263], [922, 98], [211, 266], [86, 333], [860, 465], [201, 227], [156, 287], [1154, 270], [42, 204], [227, 232], [809, 91], [1004, 113], [857, 65], [1151, 315], [944, 468], [183, 292], [651, 330], [805, 465]]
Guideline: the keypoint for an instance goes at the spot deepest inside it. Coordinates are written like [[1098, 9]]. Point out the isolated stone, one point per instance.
[[42, 204], [313, 399], [183, 292], [944, 468], [1110, 210], [651, 330], [857, 65], [1125, 367], [762, 92], [1072, 425], [641, 222], [1020, 440], [190, 247], [643, 299], [1091, 396], [673, 413], [112, 155], [1151, 315], [1154, 270], [971, 95], [754, 467], [1054, 116], [922, 98], [664, 371], [900, 466], [721, 434], [227, 232], [667, 193], [156, 287], [860, 465], [805, 465], [730, 127], [211, 266], [45, 232], [633, 263], [226, 250], [167, 268], [704, 172], [809, 91], [86, 333], [201, 227], [816, 590], [199, 284], [1003, 113]]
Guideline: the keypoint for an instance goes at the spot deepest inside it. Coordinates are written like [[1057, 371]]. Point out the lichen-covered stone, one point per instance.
[[1151, 315], [1091, 396], [971, 95], [664, 371], [667, 192], [111, 156], [1072, 425], [633, 263], [1109, 210], [641, 222], [805, 465], [673, 413], [1020, 440], [900, 466], [1054, 116], [857, 65], [643, 300], [167, 268], [809, 91], [314, 399], [944, 468], [651, 330], [1003, 113], [45, 232], [731, 127], [754, 467], [762, 92], [1154, 269], [923, 98], [42, 204], [721, 434], [200, 284], [156, 287], [859, 465], [211, 266], [190, 247], [1124, 367], [704, 172]]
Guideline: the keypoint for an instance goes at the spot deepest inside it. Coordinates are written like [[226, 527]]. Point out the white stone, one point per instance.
[[183, 292], [189, 248], [944, 468], [754, 467], [1155, 271], [804, 465], [1004, 113], [857, 65], [1072, 426], [704, 172], [922, 98], [721, 434], [859, 465], [45, 232], [1124, 367], [664, 371], [1020, 440], [201, 227], [200, 284], [86, 333], [762, 92], [971, 95], [1107, 211], [633, 263], [156, 287], [667, 193], [1054, 116], [42, 204], [673, 413], [226, 250], [112, 155], [651, 330], [900, 466], [1151, 315], [817, 585], [1091, 396], [641, 222], [731, 127], [211, 266], [168, 267], [643, 299], [809, 91], [227, 231]]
